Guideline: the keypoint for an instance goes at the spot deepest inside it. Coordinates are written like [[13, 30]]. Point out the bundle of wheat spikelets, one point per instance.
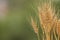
[[48, 21]]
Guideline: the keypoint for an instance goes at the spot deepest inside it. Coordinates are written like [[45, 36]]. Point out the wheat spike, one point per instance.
[[58, 27], [34, 26], [46, 19]]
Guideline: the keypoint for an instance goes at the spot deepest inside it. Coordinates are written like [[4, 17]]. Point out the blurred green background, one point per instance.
[[16, 25]]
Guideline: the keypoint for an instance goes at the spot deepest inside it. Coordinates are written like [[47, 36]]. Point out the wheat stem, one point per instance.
[[47, 37], [38, 36], [58, 37], [51, 36], [43, 36], [54, 34]]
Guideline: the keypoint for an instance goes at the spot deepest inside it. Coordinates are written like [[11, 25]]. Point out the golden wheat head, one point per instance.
[[34, 26]]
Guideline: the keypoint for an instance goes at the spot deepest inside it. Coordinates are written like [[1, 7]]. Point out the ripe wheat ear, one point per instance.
[[47, 21]]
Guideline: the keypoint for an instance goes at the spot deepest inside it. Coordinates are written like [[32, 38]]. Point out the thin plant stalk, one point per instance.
[[38, 36], [47, 36], [43, 36], [54, 34]]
